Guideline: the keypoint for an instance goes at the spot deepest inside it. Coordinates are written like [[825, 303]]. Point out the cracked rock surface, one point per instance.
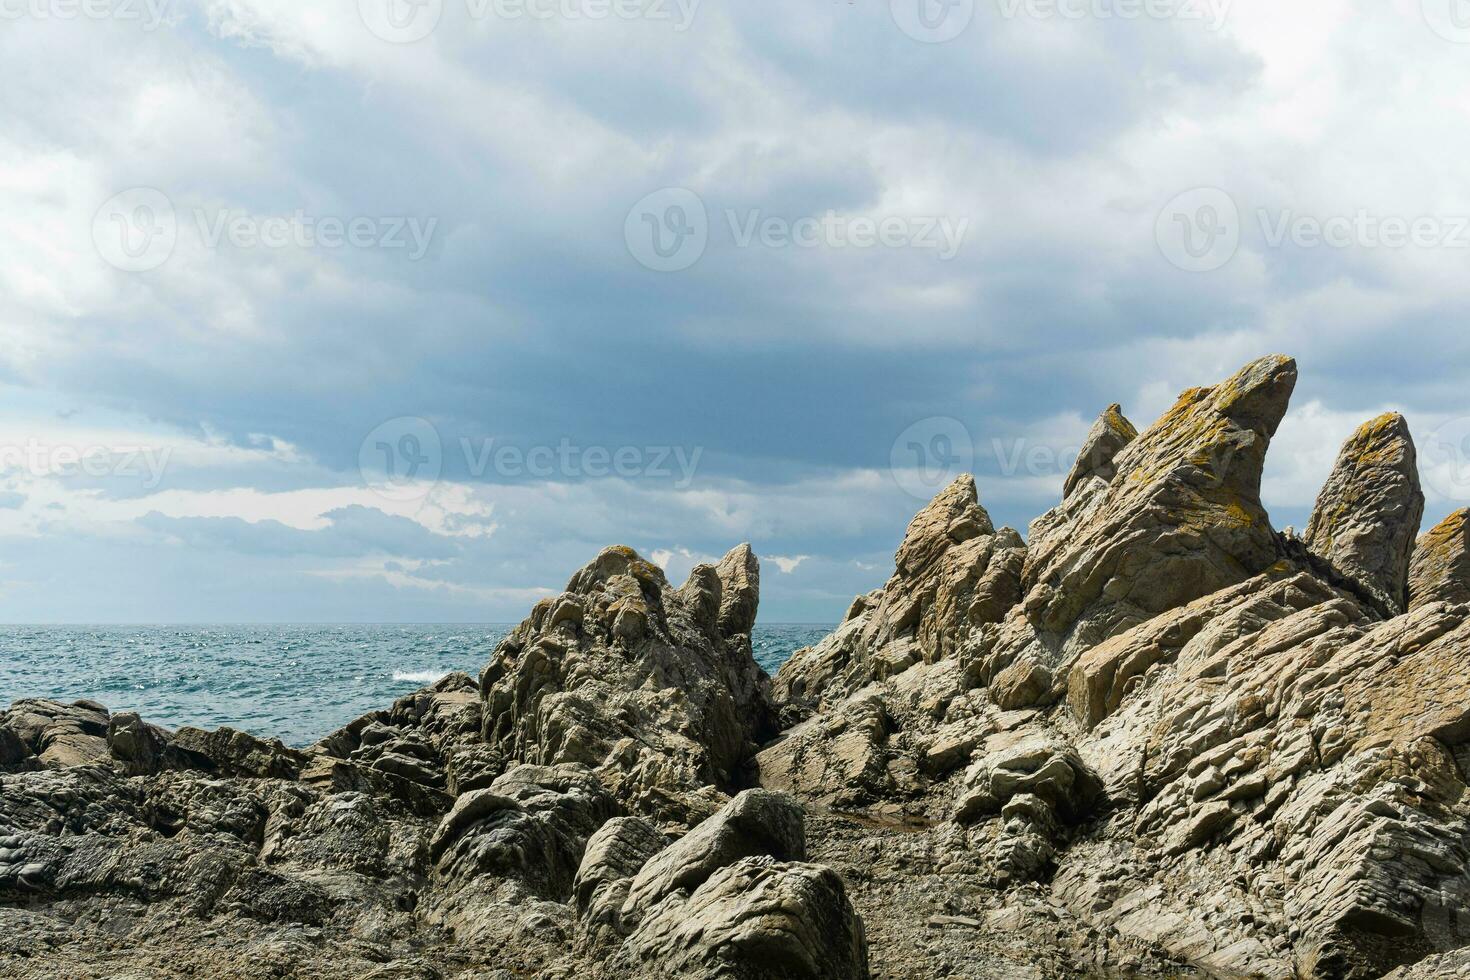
[[1154, 739]]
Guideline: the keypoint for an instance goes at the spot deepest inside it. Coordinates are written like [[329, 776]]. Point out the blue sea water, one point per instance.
[[296, 683]]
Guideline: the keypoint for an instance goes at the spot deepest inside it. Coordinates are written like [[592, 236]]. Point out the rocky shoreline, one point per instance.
[[1155, 738]]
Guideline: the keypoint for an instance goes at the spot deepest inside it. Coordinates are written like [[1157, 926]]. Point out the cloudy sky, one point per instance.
[[342, 311]]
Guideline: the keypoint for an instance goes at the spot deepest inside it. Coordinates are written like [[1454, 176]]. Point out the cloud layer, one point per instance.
[[255, 259]]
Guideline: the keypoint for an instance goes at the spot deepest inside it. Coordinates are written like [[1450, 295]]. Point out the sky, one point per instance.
[[401, 310]]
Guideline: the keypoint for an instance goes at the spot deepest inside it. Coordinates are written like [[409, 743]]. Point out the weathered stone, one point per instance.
[[756, 822], [614, 854], [1030, 764], [649, 689], [740, 590], [1368, 512], [1107, 437], [1180, 519], [1440, 568], [953, 572], [757, 919]]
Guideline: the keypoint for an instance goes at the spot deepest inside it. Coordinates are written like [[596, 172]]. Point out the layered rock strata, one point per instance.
[[1154, 739]]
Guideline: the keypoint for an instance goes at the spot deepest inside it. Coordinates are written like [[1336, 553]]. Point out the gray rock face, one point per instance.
[[614, 854], [755, 822], [757, 919], [645, 684], [1368, 512], [731, 899], [1440, 568], [1107, 437], [952, 572], [1160, 740], [1180, 518]]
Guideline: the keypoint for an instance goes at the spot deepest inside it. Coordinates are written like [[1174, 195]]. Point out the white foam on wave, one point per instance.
[[419, 676]]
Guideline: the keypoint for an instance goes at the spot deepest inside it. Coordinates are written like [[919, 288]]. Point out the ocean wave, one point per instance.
[[419, 676]]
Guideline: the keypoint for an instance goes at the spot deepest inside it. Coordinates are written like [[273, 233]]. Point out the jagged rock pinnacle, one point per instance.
[[1368, 512]]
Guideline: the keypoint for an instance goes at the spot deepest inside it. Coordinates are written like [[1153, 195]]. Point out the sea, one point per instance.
[[292, 682]]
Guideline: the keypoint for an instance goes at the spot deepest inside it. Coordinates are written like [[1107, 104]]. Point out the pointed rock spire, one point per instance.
[[953, 516], [1440, 568], [1107, 437], [1180, 519], [740, 590], [1368, 512]]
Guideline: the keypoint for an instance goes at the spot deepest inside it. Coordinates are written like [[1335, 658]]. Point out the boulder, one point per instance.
[[757, 822], [757, 919], [614, 854]]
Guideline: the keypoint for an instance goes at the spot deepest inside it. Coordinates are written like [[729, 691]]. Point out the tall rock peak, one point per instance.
[[1109, 434], [1368, 513]]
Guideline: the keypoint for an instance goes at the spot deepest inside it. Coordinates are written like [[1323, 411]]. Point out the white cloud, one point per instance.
[[787, 565]]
